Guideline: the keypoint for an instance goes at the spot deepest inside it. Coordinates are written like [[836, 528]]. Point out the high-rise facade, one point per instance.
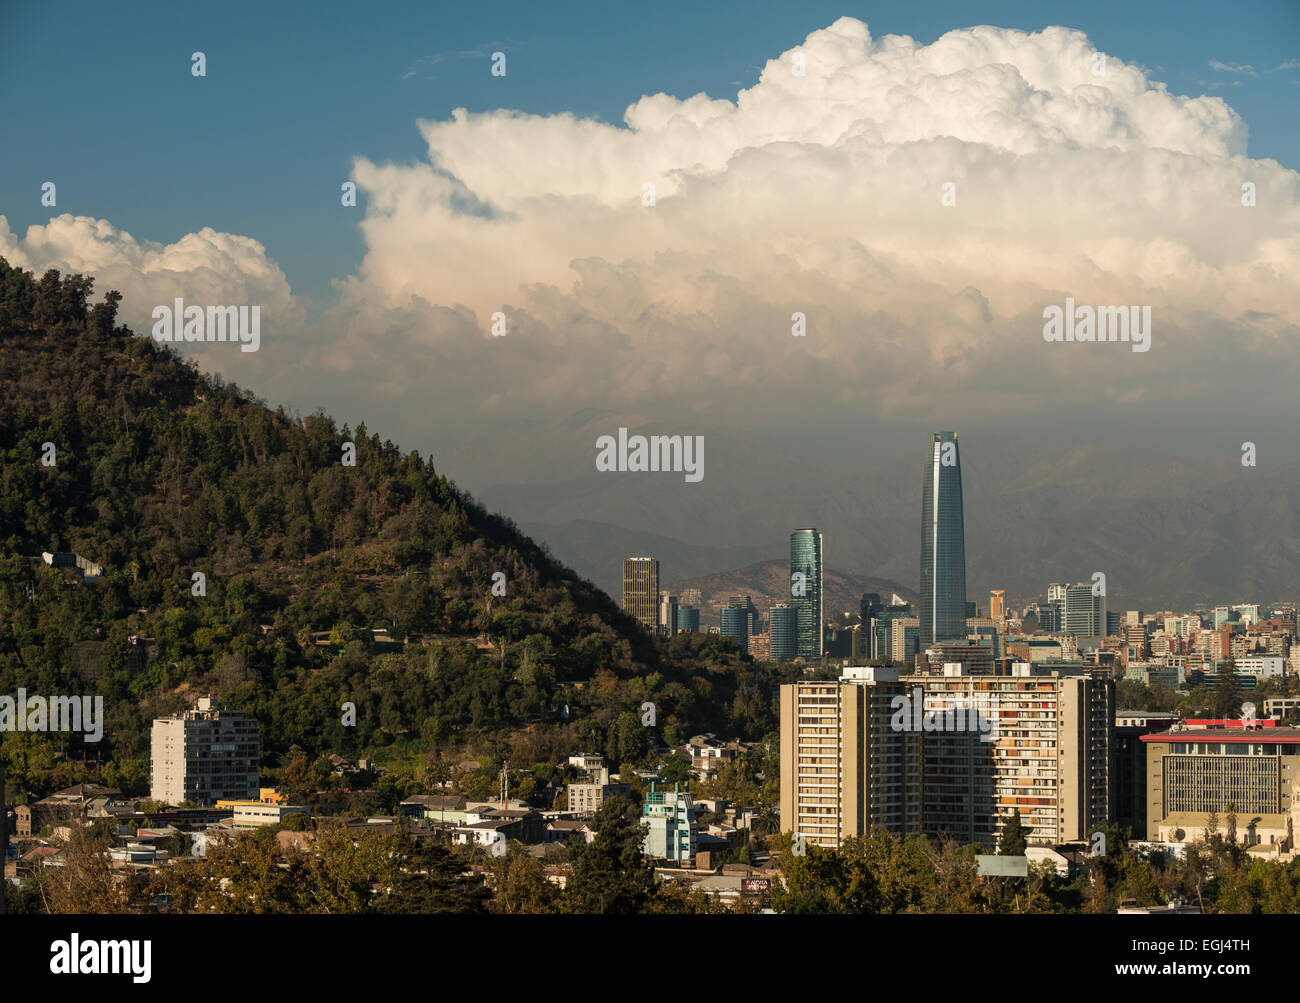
[[904, 640], [948, 754], [735, 624], [1052, 756], [1049, 618], [641, 590], [668, 614], [205, 755], [883, 632], [845, 770], [688, 620], [1084, 614], [755, 620], [785, 633], [806, 590], [943, 543]]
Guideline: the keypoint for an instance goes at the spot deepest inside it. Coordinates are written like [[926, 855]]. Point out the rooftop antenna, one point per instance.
[[505, 785]]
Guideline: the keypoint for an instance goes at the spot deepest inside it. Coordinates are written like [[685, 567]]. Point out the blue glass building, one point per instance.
[[735, 624], [785, 633]]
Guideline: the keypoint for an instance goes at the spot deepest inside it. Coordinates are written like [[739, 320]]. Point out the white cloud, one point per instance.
[[206, 268], [203, 267], [821, 193], [817, 193], [1242, 68]]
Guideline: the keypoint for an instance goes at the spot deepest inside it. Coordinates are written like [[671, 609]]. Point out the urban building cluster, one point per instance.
[[890, 743], [205, 787], [927, 716]]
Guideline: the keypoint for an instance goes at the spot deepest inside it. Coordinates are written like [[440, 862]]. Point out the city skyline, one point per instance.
[[930, 348], [462, 462]]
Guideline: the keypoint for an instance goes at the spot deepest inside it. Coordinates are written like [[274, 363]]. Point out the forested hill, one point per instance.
[[157, 472]]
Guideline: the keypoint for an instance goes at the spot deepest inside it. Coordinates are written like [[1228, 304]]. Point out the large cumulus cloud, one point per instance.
[[821, 193], [817, 193], [207, 268]]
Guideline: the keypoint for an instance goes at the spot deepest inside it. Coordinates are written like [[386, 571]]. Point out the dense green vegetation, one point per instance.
[[388, 872], [882, 873], [161, 472], [1223, 701], [371, 872]]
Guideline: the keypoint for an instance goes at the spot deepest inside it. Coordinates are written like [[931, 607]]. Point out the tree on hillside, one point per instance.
[[611, 874], [1227, 691], [520, 885], [1012, 842], [432, 879]]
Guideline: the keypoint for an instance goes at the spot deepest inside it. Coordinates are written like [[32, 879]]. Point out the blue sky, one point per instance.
[[101, 99]]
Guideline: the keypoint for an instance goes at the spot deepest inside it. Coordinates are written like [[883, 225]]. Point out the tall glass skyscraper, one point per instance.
[[735, 624], [943, 543], [785, 633], [806, 590]]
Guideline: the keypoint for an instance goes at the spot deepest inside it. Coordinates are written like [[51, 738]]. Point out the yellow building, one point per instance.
[[844, 770], [950, 753]]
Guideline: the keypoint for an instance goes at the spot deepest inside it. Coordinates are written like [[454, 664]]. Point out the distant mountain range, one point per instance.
[[769, 581]]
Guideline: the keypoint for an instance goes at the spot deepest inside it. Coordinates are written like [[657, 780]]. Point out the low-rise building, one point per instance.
[[255, 814], [586, 799], [561, 830], [673, 834], [1241, 779], [1260, 666], [76, 803], [435, 807], [1282, 707]]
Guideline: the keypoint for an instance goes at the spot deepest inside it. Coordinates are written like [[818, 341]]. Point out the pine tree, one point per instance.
[[1012, 842], [611, 874], [1227, 691]]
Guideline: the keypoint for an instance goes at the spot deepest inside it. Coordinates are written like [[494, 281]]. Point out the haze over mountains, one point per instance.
[[769, 581], [1168, 530]]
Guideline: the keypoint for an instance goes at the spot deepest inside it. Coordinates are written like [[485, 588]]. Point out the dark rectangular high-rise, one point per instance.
[[641, 590], [943, 544]]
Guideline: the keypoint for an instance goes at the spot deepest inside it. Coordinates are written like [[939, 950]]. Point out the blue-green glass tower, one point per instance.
[[735, 624], [785, 633], [806, 590]]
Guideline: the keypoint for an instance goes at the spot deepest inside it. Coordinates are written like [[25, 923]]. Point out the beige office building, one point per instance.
[[641, 590], [1196, 773], [585, 799], [844, 770], [951, 753], [903, 633], [205, 755], [1046, 748]]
